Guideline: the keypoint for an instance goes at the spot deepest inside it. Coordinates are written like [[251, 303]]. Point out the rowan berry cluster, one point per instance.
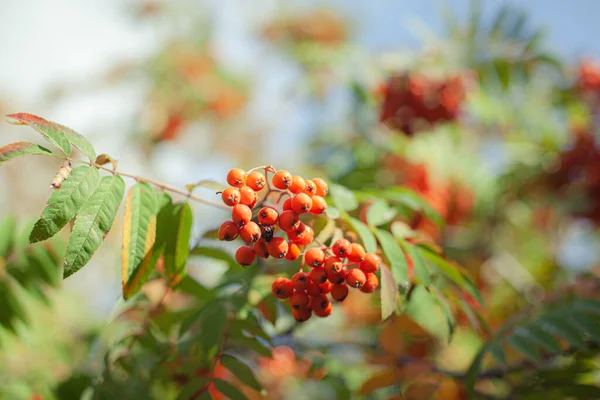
[[307, 292]]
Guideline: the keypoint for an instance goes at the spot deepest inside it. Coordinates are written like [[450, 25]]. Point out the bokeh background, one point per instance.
[[181, 91]]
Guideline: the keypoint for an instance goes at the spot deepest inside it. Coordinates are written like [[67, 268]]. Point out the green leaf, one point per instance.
[[365, 234], [217, 254], [52, 132], [177, 247], [419, 263], [190, 388], [343, 198], [497, 351], [389, 293], [525, 346], [446, 310], [412, 200], [590, 325], [537, 335], [64, 203], [446, 268], [241, 371], [212, 326], [401, 230], [332, 212], [8, 228], [229, 390], [93, 223], [19, 149], [380, 213], [473, 372], [394, 255], [164, 209], [254, 344], [563, 329], [194, 288], [139, 233]]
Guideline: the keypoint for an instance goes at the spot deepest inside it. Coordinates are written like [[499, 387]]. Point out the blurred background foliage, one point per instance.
[[493, 130]]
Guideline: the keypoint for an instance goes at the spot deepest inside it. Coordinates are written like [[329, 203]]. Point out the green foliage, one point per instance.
[[139, 232], [177, 243], [65, 203], [19, 149], [93, 222]]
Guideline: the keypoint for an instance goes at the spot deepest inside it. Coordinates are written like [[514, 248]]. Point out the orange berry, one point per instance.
[[311, 188], [297, 185], [356, 278], [278, 247], [302, 315], [241, 214], [300, 281], [299, 300], [260, 248], [314, 257], [268, 216], [282, 180], [298, 233], [287, 204], [248, 196], [333, 265], [289, 221], [339, 278], [231, 196], [314, 289], [301, 203], [256, 181], [371, 263], [282, 288], [371, 283], [357, 254], [228, 231], [306, 237], [341, 248], [321, 305], [326, 287], [318, 275], [250, 233], [245, 255], [236, 177], [293, 252], [319, 205], [339, 292], [322, 188]]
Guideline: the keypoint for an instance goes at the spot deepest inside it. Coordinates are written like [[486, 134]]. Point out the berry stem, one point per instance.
[[158, 184]]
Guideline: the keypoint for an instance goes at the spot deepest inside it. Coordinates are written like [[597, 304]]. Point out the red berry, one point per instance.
[[356, 278], [293, 252], [341, 248], [248, 196], [321, 306], [339, 292], [299, 300], [333, 265], [300, 281], [287, 204], [282, 288], [278, 247], [314, 289], [297, 185], [302, 315], [236, 177], [289, 221], [260, 248], [322, 188], [245, 255], [231, 196], [314, 257], [311, 188], [357, 254], [241, 214], [228, 231], [256, 181], [371, 263], [306, 237], [371, 283], [268, 216], [282, 180], [338, 279], [319, 205], [301, 203], [326, 287], [318, 275], [250, 232]]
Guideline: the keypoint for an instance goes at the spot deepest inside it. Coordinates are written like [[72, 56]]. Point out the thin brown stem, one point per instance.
[[153, 182]]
